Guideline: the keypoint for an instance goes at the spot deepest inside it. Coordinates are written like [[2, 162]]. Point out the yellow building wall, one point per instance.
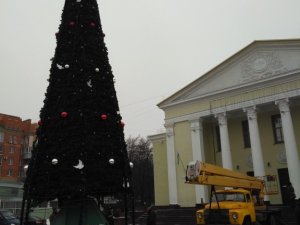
[[240, 154], [186, 109], [210, 143], [183, 154], [161, 184], [269, 148]]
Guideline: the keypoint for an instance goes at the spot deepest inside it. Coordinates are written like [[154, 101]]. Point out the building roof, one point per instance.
[[257, 50]]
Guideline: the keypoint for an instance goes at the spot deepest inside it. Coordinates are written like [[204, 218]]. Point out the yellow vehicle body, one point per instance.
[[229, 211], [237, 203]]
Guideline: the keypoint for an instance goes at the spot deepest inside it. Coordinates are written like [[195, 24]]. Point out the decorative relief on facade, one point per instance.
[[251, 113], [169, 130], [283, 105], [222, 119], [249, 161], [196, 125], [281, 157], [261, 65]]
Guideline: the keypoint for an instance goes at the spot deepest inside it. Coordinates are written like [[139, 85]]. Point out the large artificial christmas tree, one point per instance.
[[80, 149]]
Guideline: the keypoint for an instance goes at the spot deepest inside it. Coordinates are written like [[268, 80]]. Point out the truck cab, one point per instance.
[[234, 206], [241, 202]]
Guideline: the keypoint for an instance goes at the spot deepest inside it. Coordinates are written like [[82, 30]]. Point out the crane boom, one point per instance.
[[208, 174], [241, 203]]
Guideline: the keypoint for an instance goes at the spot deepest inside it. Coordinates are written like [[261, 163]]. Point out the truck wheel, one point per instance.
[[247, 221]]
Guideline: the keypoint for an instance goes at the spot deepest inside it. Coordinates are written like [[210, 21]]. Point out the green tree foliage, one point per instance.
[[80, 148]]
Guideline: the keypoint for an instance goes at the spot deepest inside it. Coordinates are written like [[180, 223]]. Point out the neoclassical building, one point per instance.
[[244, 115]]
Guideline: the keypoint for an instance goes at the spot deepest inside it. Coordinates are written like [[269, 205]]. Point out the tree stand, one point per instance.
[[79, 213]]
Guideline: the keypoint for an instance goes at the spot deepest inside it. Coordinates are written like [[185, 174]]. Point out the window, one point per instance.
[[218, 139], [0, 160], [12, 150], [14, 139], [10, 161], [1, 148], [1, 137], [246, 134], [10, 139], [277, 129], [229, 196], [9, 172], [248, 198]]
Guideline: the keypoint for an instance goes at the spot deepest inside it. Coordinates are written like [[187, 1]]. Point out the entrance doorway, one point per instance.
[[284, 179]]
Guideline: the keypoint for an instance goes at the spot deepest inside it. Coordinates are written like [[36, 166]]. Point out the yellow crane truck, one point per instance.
[[240, 201]]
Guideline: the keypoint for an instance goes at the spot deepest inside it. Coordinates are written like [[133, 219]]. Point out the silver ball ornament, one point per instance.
[[54, 161], [67, 66], [131, 165], [112, 161], [25, 168], [97, 70]]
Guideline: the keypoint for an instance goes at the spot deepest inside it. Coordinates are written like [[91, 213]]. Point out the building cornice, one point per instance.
[[235, 106]]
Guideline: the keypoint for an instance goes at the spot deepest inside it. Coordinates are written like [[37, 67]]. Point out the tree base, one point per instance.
[[77, 213]]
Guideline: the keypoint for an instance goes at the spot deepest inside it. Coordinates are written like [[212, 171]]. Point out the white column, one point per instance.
[[173, 199], [226, 152], [292, 154], [257, 156], [256, 150], [198, 154]]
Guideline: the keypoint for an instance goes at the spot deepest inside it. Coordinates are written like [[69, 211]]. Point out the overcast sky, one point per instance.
[[156, 47]]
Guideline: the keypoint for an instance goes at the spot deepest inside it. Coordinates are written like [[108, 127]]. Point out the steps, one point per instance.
[[287, 216], [171, 216], [186, 216]]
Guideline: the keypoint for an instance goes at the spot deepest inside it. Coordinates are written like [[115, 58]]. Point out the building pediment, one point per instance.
[[262, 62]]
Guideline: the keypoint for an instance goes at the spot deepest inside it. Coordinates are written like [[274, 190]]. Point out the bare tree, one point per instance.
[[140, 154]]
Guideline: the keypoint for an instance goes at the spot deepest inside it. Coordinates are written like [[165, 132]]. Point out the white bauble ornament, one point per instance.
[[112, 161], [97, 70], [131, 165], [54, 161], [67, 66]]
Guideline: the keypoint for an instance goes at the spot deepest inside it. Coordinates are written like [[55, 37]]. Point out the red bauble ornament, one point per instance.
[[40, 122], [64, 114], [122, 124], [104, 116], [72, 23], [92, 24]]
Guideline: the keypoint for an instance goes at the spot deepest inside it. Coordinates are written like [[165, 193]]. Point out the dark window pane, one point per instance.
[[218, 139], [277, 129], [246, 134]]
